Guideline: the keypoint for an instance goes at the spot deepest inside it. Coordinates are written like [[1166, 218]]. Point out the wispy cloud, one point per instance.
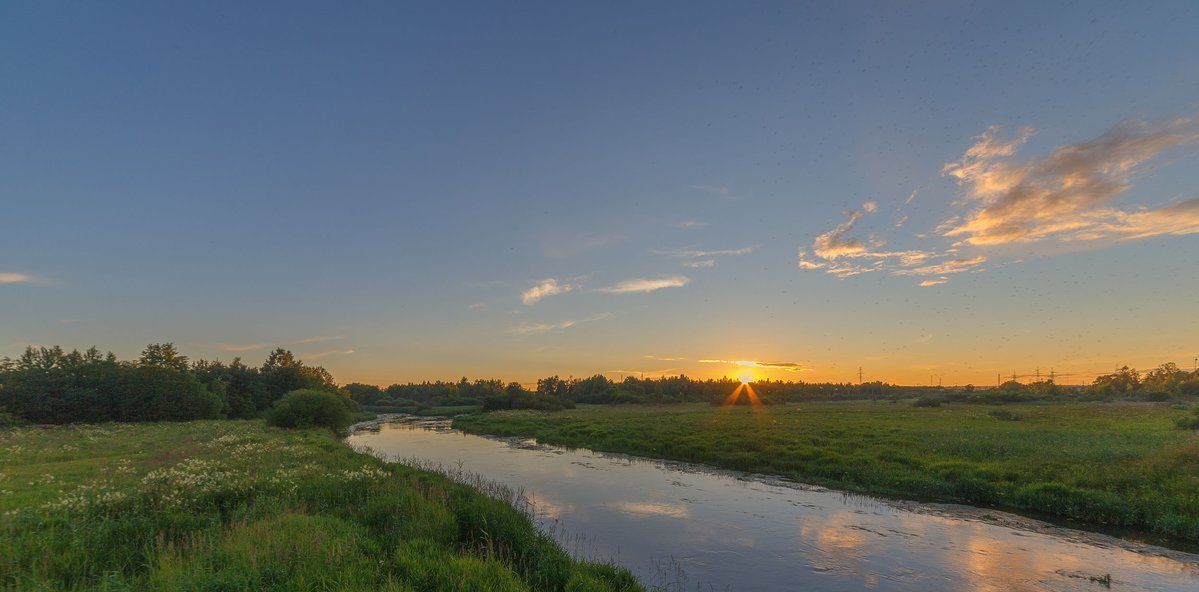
[[325, 354], [235, 347], [691, 224], [944, 267], [639, 285], [719, 190], [477, 305], [537, 328], [544, 289], [1066, 194], [16, 278], [663, 358], [694, 253], [788, 366], [655, 373], [838, 253], [696, 258], [320, 338]]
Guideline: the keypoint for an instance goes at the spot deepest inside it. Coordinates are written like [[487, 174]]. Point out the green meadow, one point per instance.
[[236, 505], [1125, 465]]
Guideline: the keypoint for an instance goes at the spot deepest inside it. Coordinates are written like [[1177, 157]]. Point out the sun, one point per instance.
[[747, 379]]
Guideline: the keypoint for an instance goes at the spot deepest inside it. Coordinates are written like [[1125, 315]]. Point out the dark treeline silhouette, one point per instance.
[[556, 393], [50, 385], [1162, 383]]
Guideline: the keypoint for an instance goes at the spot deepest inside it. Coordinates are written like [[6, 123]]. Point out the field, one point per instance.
[[235, 505], [1119, 464]]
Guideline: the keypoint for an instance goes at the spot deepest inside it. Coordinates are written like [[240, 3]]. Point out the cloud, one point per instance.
[[699, 253], [837, 253], [720, 190], [788, 366], [1066, 194], [834, 243], [870, 207], [639, 285], [691, 224], [16, 278], [538, 328], [325, 354], [663, 358], [477, 305], [320, 338], [664, 372], [934, 282], [233, 347], [544, 289], [701, 258], [944, 267]]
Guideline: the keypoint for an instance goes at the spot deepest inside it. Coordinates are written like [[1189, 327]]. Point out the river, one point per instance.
[[684, 525]]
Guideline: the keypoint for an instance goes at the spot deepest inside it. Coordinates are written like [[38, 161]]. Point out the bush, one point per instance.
[[926, 402], [1189, 422], [308, 408], [8, 420], [1005, 415]]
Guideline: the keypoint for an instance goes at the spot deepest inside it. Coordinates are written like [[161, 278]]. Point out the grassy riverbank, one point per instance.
[[235, 505], [1120, 464]]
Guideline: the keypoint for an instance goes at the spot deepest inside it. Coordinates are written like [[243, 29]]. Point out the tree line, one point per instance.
[[51, 385]]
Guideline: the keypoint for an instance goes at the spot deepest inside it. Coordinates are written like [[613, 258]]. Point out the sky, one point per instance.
[[928, 191]]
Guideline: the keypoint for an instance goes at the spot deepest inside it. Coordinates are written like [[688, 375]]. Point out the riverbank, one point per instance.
[[1123, 465], [235, 505]]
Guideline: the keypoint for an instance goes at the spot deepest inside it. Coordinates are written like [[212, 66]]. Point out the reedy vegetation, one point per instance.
[[236, 505]]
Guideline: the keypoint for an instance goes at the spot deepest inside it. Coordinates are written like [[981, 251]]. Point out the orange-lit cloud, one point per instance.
[[787, 366], [933, 282], [543, 289], [234, 347], [1065, 194], [15, 278], [639, 285]]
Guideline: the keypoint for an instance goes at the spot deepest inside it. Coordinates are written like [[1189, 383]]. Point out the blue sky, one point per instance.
[[376, 186]]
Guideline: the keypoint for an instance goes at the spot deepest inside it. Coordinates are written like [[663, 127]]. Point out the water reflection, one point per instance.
[[729, 533]]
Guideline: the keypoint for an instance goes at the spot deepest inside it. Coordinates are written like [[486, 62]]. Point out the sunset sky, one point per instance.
[[929, 190]]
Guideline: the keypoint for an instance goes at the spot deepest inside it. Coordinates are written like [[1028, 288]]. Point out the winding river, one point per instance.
[[709, 530]]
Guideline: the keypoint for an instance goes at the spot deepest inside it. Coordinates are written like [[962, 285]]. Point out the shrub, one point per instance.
[[308, 408], [1005, 415], [926, 402], [8, 420], [1189, 422]]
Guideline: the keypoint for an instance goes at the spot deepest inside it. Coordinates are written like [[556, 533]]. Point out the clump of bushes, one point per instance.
[[1005, 415], [311, 408], [1189, 422], [926, 402]]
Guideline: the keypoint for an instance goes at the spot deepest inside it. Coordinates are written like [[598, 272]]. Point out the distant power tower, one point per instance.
[[859, 375]]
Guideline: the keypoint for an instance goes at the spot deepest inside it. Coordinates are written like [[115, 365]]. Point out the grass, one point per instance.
[[1124, 465], [235, 505]]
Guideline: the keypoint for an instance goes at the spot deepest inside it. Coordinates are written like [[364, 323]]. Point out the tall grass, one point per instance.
[[1123, 464], [229, 505]]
